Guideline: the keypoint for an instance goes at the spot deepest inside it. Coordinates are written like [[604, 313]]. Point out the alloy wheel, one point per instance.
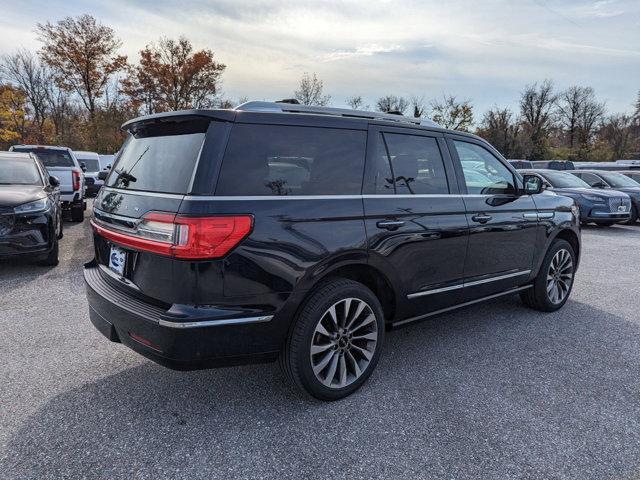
[[343, 342], [560, 276]]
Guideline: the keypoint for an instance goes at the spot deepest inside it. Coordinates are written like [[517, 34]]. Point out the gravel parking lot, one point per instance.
[[494, 391]]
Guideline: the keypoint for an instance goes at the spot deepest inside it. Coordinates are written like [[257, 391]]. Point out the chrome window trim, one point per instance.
[[467, 284]]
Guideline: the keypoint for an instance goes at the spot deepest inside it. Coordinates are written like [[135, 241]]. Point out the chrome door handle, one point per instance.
[[481, 218], [390, 224], [530, 216]]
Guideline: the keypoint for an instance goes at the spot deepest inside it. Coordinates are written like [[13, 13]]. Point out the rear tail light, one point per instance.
[[182, 237], [75, 180]]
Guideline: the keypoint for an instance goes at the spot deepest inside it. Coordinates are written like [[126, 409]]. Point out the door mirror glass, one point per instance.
[[532, 184], [54, 181], [83, 166], [102, 175]]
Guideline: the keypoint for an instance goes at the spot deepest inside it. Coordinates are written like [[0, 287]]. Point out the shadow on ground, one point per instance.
[[524, 395]]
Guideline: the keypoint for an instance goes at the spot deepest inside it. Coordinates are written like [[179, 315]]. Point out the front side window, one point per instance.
[[590, 178], [564, 180], [483, 173], [266, 160], [408, 164]]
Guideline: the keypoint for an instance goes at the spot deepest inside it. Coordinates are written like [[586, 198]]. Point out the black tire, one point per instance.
[[296, 357], [634, 216], [60, 226], [52, 259], [77, 213], [538, 297]]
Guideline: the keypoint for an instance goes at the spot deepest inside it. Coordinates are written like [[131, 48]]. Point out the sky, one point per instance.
[[485, 51]]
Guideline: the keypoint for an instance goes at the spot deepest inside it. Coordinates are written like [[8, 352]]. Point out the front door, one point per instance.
[[503, 224]]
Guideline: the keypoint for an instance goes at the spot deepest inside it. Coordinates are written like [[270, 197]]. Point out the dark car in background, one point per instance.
[[63, 164], [30, 211], [304, 234], [632, 174], [613, 180], [602, 207]]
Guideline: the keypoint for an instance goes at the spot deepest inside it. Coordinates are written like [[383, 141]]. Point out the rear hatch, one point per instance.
[[142, 244]]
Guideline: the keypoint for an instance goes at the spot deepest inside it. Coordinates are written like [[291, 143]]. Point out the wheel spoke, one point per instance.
[[317, 368], [364, 352], [367, 320], [333, 315], [331, 373], [342, 368], [315, 349], [354, 364], [361, 307], [367, 336]]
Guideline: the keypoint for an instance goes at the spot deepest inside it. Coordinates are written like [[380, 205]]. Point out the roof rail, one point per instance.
[[255, 106]]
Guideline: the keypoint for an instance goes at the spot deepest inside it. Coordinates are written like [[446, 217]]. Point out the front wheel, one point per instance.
[[336, 340], [634, 216], [552, 286]]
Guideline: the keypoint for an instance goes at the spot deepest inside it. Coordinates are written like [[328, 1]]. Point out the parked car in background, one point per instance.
[[106, 161], [62, 163], [632, 174], [91, 162], [30, 210], [613, 180], [602, 207], [304, 233]]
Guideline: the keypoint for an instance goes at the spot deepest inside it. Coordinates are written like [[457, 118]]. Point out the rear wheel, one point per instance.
[[77, 213], [552, 286], [336, 340]]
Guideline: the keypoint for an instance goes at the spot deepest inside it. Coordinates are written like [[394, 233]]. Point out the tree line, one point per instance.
[[77, 90]]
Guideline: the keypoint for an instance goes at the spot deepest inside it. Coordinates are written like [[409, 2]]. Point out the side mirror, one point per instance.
[[102, 175], [54, 181], [83, 166], [108, 167], [532, 184]]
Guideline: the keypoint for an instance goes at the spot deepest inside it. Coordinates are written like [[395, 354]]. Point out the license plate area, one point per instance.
[[622, 208], [117, 260]]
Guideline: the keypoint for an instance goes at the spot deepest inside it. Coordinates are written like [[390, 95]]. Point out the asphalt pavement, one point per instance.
[[493, 391]]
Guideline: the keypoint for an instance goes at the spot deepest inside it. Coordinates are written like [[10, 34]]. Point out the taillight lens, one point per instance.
[[182, 237], [75, 180]]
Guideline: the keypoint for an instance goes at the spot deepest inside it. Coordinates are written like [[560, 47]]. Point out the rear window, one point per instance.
[[50, 158], [159, 157], [284, 160], [19, 172], [92, 164]]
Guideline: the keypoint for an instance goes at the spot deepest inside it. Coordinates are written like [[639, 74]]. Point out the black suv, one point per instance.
[[301, 233]]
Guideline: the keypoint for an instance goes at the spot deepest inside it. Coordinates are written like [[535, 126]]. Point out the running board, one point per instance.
[[455, 307]]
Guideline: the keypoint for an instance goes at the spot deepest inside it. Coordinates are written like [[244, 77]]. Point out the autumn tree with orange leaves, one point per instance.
[[83, 55], [172, 76]]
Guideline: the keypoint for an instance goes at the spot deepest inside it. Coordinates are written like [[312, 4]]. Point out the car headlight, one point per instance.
[[591, 198], [32, 207]]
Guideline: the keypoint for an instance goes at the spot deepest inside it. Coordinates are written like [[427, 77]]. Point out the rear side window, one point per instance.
[[159, 157], [285, 160], [408, 164], [50, 158]]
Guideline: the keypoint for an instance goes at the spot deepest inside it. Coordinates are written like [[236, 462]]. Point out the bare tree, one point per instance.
[[578, 112], [500, 129], [616, 133], [357, 103], [25, 71], [451, 113], [636, 114], [418, 106], [310, 91], [391, 103], [536, 108]]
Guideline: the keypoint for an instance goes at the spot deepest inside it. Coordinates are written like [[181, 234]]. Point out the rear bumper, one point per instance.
[[181, 337]]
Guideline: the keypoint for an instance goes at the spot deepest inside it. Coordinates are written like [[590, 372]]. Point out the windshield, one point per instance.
[[92, 164], [159, 158], [617, 180], [564, 180], [19, 172], [50, 158]]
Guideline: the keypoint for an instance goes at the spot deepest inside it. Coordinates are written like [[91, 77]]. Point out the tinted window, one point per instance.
[[285, 160], [19, 172], [50, 158], [483, 173], [159, 158], [617, 180], [92, 164], [590, 178]]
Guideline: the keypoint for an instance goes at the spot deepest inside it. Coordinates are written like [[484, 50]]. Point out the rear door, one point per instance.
[[415, 217], [503, 225]]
